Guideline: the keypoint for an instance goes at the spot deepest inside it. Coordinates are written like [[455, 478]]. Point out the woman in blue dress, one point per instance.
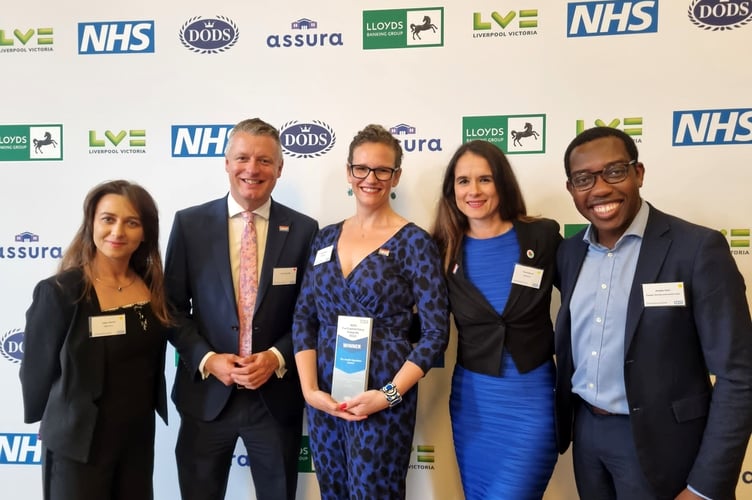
[[499, 264], [376, 265], [93, 367]]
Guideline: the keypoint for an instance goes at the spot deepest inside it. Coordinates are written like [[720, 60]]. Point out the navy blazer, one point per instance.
[[524, 327], [685, 430], [199, 286], [63, 370]]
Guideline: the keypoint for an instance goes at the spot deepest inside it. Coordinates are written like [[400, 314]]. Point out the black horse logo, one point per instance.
[[38, 143], [417, 28], [524, 133]]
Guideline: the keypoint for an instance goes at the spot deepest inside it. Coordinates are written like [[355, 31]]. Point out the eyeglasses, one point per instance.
[[381, 173], [612, 174]]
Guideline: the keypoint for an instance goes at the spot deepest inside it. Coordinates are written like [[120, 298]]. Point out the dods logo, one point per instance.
[[719, 15], [20, 449], [118, 37], [23, 249], [403, 28], [414, 144], [11, 345], [110, 142], [705, 127], [305, 35], [513, 134], [612, 17], [307, 139], [18, 40], [209, 36], [31, 142], [199, 140]]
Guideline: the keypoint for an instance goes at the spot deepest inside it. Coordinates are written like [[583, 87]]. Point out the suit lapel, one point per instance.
[[278, 229], [216, 231], [653, 252]]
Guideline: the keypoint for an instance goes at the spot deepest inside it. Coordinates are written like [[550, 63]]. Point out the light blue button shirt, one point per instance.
[[599, 315]]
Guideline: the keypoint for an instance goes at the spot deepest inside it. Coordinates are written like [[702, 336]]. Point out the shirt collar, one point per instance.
[[636, 228], [234, 209]]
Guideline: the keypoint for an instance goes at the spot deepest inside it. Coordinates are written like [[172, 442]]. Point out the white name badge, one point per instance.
[[107, 326], [284, 275], [323, 255], [663, 294], [527, 276]]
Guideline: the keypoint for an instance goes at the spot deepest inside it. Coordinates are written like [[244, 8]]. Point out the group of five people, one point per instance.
[[651, 305]]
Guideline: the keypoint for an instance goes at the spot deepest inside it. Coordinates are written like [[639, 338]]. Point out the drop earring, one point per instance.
[[393, 195], [349, 192]]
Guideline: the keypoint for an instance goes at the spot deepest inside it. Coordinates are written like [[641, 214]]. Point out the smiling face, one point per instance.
[[474, 189], [610, 208], [253, 164], [371, 191], [117, 229]]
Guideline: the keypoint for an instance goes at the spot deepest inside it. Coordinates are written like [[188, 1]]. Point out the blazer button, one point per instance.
[[236, 328]]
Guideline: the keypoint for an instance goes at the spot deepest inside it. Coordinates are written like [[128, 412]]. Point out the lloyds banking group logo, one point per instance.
[[403, 28], [513, 134]]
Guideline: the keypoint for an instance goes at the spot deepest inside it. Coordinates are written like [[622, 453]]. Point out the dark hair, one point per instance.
[[145, 261], [380, 135], [451, 224], [255, 126], [594, 133]]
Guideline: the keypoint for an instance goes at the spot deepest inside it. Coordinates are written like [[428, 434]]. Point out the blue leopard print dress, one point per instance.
[[369, 459]]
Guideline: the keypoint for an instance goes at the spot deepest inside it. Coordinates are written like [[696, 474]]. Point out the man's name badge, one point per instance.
[[284, 275], [527, 276], [663, 294], [351, 355], [107, 326]]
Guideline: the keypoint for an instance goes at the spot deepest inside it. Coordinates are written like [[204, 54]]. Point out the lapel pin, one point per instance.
[[530, 254], [384, 252], [284, 229]]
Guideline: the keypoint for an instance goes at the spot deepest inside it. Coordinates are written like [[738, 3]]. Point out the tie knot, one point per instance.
[[247, 216]]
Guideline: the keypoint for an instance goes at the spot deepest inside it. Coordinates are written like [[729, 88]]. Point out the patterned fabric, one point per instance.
[[247, 283], [369, 459]]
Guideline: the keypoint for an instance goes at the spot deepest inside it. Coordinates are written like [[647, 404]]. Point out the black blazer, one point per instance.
[[199, 285], [525, 327], [63, 370], [685, 430]]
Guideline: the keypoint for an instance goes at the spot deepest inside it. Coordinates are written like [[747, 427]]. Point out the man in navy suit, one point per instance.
[[650, 304], [220, 395]]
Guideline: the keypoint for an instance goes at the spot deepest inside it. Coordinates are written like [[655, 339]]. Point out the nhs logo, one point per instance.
[[116, 37], [20, 449], [703, 127], [199, 140], [612, 17]]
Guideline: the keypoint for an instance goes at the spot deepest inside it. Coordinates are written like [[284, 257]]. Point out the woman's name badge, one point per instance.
[[107, 326], [323, 255], [527, 276]]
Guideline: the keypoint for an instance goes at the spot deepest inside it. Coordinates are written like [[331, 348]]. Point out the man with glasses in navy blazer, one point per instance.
[[650, 305], [221, 395]]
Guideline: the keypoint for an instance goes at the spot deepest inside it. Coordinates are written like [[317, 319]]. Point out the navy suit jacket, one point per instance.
[[685, 430], [199, 285]]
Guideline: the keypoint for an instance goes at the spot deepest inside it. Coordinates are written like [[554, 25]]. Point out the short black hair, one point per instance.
[[594, 133]]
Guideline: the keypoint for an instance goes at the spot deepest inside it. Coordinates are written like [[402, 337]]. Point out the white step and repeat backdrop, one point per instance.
[[146, 91]]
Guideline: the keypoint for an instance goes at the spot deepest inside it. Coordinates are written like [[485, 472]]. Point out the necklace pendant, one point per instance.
[[120, 289]]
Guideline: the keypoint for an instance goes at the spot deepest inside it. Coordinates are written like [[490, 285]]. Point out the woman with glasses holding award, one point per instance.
[[93, 367], [358, 367], [500, 266]]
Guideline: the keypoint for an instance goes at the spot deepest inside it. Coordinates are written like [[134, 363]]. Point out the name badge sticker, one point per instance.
[[323, 255], [664, 294], [527, 276], [106, 326], [284, 275]]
